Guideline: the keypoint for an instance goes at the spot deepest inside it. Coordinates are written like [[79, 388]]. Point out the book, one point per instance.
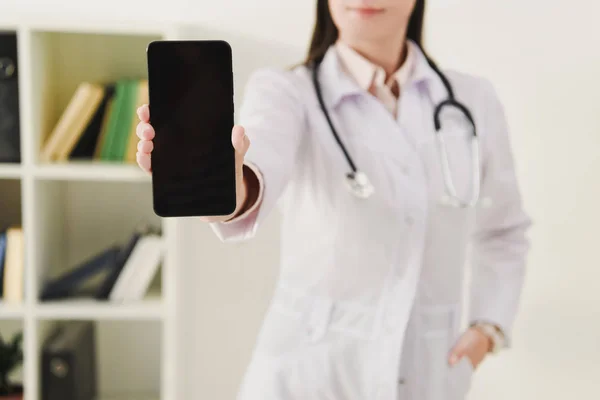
[[142, 97], [122, 271], [120, 121], [71, 282], [128, 120], [73, 121], [139, 269], [2, 256], [86, 145], [106, 287], [13, 265], [99, 123], [101, 140]]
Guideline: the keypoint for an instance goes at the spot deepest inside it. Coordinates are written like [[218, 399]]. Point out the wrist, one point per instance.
[[493, 333], [251, 189], [248, 193]]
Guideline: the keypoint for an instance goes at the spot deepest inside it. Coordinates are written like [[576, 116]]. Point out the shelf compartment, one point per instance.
[[62, 60], [8, 328], [78, 220], [127, 355], [11, 217], [10, 202]]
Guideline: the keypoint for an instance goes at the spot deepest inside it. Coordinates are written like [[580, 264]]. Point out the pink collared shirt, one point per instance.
[[369, 77]]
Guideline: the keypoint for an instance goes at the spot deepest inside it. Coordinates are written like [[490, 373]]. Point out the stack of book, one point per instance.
[[126, 271], [99, 123], [11, 264]]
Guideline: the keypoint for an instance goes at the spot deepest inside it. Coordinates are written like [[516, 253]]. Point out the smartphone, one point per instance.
[[190, 86]]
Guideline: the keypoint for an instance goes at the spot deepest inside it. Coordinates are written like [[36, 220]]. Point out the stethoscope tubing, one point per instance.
[[358, 179]]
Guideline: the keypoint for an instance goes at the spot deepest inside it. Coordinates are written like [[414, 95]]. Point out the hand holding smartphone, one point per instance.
[[187, 132]]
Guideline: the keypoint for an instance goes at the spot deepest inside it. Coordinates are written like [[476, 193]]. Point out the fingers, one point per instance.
[[143, 113], [240, 140], [145, 146], [144, 131], [472, 344], [143, 160], [459, 350]]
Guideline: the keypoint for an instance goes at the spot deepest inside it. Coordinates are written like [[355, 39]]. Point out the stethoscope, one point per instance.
[[360, 185]]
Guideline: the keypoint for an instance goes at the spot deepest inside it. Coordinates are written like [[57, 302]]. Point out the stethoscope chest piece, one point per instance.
[[359, 185]]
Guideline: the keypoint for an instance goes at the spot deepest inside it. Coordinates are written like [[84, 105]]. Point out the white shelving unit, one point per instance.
[[71, 211]]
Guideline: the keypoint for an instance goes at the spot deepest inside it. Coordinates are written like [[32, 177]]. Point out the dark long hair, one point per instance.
[[325, 32]]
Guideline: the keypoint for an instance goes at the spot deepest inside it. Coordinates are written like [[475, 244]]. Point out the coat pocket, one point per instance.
[[436, 379], [458, 379], [292, 358], [293, 325]]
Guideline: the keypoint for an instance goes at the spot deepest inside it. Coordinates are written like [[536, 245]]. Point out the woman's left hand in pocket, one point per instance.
[[472, 344]]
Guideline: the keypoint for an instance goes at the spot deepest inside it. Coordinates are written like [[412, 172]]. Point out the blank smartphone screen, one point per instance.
[[191, 111]]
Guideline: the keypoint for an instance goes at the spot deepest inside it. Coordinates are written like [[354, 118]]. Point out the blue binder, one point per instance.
[[2, 257]]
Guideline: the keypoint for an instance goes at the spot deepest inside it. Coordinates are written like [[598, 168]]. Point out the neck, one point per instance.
[[389, 55]]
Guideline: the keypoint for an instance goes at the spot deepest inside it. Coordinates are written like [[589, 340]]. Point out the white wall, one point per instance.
[[543, 57], [290, 19]]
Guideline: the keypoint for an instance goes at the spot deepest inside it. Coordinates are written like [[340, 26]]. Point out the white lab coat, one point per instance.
[[369, 298]]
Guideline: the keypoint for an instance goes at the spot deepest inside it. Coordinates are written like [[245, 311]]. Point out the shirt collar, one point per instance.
[[337, 84], [366, 74]]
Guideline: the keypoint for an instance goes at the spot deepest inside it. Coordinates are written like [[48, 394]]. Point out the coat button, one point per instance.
[[405, 170], [309, 333], [409, 220]]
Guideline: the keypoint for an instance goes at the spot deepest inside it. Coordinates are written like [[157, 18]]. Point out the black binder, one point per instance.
[[68, 284], [69, 363], [10, 136]]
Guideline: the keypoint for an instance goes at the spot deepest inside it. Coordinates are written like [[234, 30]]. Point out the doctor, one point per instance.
[[376, 160]]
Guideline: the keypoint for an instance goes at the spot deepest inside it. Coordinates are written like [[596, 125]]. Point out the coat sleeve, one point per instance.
[[272, 115], [500, 244]]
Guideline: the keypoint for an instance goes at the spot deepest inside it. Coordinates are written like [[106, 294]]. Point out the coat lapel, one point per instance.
[[344, 99], [336, 86]]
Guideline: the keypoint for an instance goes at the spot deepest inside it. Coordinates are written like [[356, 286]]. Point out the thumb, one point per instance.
[[459, 350], [240, 141]]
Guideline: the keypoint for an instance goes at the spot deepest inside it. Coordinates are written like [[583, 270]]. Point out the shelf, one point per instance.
[[90, 25], [11, 311], [10, 170], [150, 309], [91, 171], [130, 396], [72, 210], [7, 25]]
